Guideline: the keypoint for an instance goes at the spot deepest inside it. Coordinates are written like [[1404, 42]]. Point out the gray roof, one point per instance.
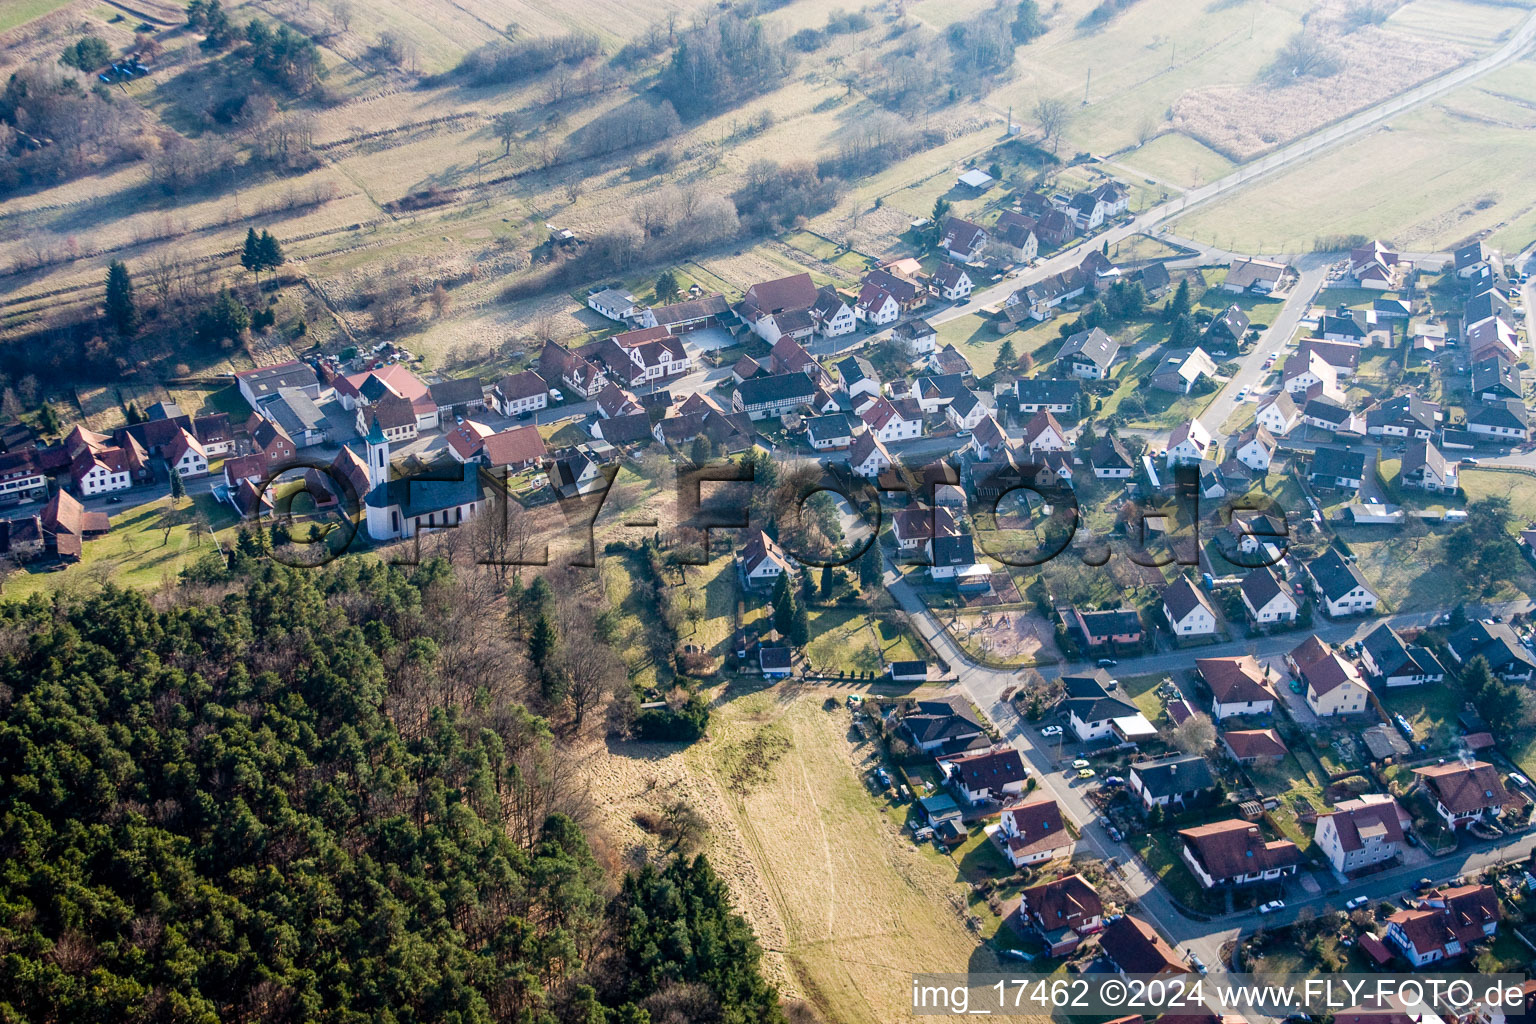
[[782, 387], [1338, 462], [1091, 346], [456, 392], [1176, 773], [1334, 576], [828, 428], [294, 411], [442, 487]]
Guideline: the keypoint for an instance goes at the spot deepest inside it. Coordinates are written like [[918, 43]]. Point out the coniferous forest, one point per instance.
[[209, 811]]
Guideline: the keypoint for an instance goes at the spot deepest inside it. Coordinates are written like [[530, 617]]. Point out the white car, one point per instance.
[[1051, 730], [1357, 903], [1242, 395], [1080, 763], [1272, 906]]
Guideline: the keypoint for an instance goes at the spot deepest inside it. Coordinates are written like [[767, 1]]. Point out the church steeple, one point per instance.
[[378, 454]]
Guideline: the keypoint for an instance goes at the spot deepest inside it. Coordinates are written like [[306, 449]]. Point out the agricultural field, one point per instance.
[[844, 905], [1436, 174]]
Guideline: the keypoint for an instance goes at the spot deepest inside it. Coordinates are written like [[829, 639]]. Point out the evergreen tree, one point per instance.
[[800, 627], [48, 418], [784, 609], [269, 252], [1179, 305], [666, 286], [178, 486], [225, 319], [701, 451], [1006, 355], [250, 253], [870, 573], [122, 311], [828, 583]]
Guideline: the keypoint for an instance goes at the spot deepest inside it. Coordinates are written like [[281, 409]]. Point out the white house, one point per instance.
[[761, 562], [1189, 444], [1255, 448], [966, 411], [1228, 853], [868, 456], [876, 306], [951, 282], [1034, 832], [893, 421], [989, 775], [1339, 585], [186, 456], [1188, 611], [1266, 598], [1279, 415], [1239, 686], [1361, 833], [614, 304], [1445, 923]]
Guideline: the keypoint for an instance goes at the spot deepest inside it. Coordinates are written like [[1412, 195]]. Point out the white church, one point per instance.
[[403, 508]]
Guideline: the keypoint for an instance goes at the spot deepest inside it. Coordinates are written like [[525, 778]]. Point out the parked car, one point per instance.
[[884, 777], [1295, 686], [1114, 833], [116, 499], [1357, 903], [1114, 780], [1051, 730], [1272, 906], [1196, 962], [1086, 773], [1080, 763], [1107, 663], [1423, 885], [1519, 780]]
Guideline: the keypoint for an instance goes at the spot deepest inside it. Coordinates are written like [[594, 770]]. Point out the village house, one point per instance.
[[857, 377], [893, 421], [1463, 791], [1391, 662], [1278, 414], [687, 314], [1110, 459], [1134, 948], [1362, 833], [1339, 586], [1033, 832], [21, 478], [1187, 609], [1258, 277], [765, 397], [946, 724], [914, 527], [934, 394], [950, 360], [1332, 686], [559, 364], [1091, 711], [1013, 236], [952, 283], [614, 303], [1266, 599], [876, 306], [868, 456], [1230, 853], [1044, 394], [186, 456], [1506, 420], [1239, 686], [1445, 923], [1498, 645], [988, 439], [966, 411], [1425, 468], [518, 393], [265, 381], [761, 562], [1189, 444], [1044, 434], [1337, 469], [828, 433], [1494, 380], [1088, 354], [1111, 627], [1403, 416], [1179, 372], [1254, 746], [1063, 912], [1173, 782], [963, 240], [1255, 448], [991, 775], [916, 336], [954, 559]]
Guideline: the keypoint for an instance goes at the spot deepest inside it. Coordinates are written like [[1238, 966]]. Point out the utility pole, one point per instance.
[[1087, 84]]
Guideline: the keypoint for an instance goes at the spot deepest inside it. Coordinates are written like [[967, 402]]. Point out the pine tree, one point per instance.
[[1178, 305], [269, 252], [178, 486], [666, 285], [784, 610], [828, 583], [869, 567], [1006, 355], [800, 627], [250, 254], [542, 641], [122, 311]]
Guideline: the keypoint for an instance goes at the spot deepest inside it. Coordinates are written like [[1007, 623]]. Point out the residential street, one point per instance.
[[985, 686]]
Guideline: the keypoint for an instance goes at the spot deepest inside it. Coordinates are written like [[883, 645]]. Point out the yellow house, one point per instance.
[[1333, 685]]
